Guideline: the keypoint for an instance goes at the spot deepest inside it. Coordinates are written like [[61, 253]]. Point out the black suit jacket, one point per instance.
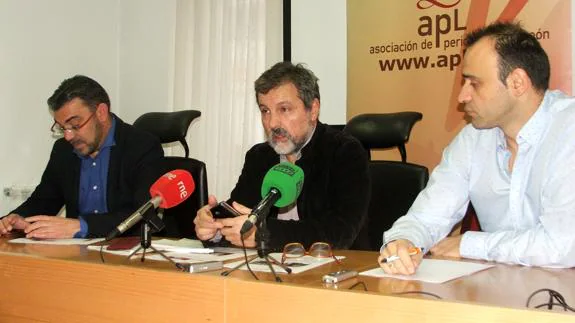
[[130, 176], [335, 196]]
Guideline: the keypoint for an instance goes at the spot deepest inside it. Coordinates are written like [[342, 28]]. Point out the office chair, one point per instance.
[[171, 127], [168, 126], [383, 130], [470, 221], [179, 219], [338, 127], [394, 184]]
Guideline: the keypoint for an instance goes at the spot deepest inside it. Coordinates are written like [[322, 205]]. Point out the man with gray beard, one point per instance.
[[336, 190]]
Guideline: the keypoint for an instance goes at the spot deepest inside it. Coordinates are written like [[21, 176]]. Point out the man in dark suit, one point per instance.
[[100, 170], [336, 190]]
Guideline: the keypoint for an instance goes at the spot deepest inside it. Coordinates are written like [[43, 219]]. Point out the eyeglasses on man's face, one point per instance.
[[317, 250], [59, 131]]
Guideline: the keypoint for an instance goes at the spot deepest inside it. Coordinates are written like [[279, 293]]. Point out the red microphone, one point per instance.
[[171, 189]]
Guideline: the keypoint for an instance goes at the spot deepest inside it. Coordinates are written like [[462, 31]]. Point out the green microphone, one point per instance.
[[281, 186]]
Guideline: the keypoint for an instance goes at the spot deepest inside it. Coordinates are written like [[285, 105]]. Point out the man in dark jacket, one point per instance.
[[100, 169], [336, 191]]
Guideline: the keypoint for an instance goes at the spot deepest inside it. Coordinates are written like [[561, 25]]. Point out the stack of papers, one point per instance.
[[123, 252], [190, 258], [297, 265], [185, 251], [181, 246]]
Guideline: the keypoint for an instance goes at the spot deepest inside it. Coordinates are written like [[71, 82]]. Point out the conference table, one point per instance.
[[69, 283]]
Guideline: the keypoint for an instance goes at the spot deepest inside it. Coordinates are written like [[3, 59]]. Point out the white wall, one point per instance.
[[146, 47], [319, 39], [42, 43], [126, 45], [274, 32]]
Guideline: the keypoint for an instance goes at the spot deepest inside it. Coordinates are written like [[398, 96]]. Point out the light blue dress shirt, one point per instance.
[[528, 215]]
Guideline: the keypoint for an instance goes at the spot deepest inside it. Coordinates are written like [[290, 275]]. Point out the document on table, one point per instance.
[[221, 254], [435, 271], [57, 241], [183, 245], [123, 252], [297, 265]]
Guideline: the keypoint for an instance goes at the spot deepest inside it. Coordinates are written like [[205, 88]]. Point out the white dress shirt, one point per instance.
[[527, 215]]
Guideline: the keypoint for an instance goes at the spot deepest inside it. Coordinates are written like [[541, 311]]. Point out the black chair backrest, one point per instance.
[[179, 219], [383, 130], [168, 126], [394, 187], [338, 127]]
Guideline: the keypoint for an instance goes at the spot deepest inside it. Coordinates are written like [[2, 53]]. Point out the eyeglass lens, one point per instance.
[[318, 249]]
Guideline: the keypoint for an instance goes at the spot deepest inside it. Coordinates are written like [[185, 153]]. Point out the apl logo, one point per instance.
[[426, 4]]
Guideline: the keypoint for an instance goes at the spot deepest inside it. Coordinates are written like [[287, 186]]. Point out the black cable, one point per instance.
[[553, 295], [358, 284], [400, 293], [418, 292], [102, 254], [246, 258], [181, 267]]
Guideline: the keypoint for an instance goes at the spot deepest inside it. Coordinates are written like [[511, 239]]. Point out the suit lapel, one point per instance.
[[74, 191], [114, 166]]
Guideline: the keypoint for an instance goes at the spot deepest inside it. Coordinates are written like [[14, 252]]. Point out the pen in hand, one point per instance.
[[412, 252]]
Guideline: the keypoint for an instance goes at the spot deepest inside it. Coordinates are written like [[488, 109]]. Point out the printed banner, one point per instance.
[[406, 55]]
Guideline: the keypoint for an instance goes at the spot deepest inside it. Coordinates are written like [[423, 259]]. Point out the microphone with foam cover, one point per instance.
[[281, 186], [171, 189]]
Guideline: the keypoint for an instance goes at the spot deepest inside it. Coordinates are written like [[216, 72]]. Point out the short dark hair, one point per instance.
[[285, 72], [82, 87], [516, 48]]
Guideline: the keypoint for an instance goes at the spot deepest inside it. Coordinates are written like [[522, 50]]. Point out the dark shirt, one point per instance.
[[335, 196]]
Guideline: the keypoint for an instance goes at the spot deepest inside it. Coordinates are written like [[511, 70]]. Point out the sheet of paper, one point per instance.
[[57, 241], [183, 245], [297, 265], [435, 271], [125, 252], [189, 258]]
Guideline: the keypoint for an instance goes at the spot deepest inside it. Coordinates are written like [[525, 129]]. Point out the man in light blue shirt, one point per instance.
[[515, 163]]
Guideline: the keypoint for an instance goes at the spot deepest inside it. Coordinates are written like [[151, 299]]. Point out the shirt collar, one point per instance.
[[283, 158], [536, 126]]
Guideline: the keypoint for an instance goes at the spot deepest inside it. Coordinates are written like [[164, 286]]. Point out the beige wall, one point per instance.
[[405, 32]]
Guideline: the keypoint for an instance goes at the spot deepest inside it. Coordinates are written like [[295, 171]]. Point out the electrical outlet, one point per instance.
[[18, 191]]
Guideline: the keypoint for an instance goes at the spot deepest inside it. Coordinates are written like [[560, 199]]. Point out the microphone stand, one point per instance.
[[262, 242], [146, 242]]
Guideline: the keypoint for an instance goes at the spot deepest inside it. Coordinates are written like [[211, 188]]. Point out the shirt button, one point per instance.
[[95, 187], [96, 211], [94, 164]]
